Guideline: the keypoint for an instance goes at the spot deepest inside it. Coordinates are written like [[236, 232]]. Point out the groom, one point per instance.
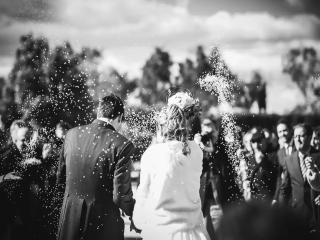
[[95, 166]]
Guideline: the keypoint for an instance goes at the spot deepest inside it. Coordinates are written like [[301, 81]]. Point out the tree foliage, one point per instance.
[[155, 76], [303, 66]]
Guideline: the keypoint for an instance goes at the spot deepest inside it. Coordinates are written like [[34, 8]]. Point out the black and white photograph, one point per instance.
[[159, 120]]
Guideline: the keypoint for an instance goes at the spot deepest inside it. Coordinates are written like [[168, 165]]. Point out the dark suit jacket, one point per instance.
[[11, 193], [95, 164], [263, 178], [281, 164], [299, 190], [19, 198]]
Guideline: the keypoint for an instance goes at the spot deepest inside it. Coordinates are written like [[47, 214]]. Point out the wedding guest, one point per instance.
[[206, 140], [271, 139], [209, 182], [13, 193], [285, 133], [315, 141], [62, 129], [263, 169], [23, 158], [300, 177], [16, 124], [247, 141], [51, 197]]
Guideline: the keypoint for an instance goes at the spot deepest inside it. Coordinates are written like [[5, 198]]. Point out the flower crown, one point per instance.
[[190, 106]]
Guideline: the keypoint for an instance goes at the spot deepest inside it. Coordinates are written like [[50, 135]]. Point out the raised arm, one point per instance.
[[313, 173], [122, 191]]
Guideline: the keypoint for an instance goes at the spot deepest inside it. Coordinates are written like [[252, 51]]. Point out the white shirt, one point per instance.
[[288, 149]]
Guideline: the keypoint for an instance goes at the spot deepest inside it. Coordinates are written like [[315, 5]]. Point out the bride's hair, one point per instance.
[[173, 125]]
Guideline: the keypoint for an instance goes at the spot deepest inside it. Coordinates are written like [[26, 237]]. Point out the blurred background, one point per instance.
[[58, 57], [63, 55]]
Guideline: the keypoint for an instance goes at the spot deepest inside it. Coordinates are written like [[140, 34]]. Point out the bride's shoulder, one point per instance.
[[194, 147], [155, 148], [193, 144]]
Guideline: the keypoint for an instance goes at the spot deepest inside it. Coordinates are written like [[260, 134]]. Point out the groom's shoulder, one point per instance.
[[119, 139], [77, 129]]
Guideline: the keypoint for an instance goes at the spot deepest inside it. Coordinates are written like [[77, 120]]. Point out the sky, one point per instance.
[[251, 34]]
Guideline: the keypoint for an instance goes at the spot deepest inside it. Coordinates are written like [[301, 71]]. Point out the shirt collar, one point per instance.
[[104, 122], [287, 145], [107, 120]]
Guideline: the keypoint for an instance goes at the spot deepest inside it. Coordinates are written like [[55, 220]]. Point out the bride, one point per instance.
[[168, 204]]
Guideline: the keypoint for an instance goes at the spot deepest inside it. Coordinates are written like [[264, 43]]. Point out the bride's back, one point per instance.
[[174, 181]]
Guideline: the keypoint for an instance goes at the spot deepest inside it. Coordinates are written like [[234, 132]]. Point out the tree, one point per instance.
[[28, 80], [155, 76], [303, 66], [68, 85], [112, 81], [204, 64], [28, 76]]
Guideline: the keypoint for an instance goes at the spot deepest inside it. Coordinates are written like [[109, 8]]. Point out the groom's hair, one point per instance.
[[110, 106]]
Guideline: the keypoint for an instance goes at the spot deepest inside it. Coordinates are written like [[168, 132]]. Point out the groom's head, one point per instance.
[[111, 107]]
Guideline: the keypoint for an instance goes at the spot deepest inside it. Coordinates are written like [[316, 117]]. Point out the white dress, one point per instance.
[[168, 205]]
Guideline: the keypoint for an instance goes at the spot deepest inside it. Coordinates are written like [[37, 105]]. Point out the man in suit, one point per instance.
[[12, 194], [21, 206], [95, 166], [299, 178], [284, 132]]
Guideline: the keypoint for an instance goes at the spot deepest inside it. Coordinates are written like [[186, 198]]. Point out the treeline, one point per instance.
[[47, 85]]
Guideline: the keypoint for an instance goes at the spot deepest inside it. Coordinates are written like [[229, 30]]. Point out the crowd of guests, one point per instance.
[[276, 169], [30, 199]]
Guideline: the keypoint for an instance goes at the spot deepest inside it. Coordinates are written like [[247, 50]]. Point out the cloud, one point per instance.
[[297, 3], [28, 10], [149, 23], [127, 32]]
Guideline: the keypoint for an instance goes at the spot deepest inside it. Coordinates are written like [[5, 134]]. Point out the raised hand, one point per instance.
[[259, 156], [317, 200], [46, 150], [309, 163]]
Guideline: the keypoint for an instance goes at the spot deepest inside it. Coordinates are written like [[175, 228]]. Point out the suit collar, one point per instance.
[[103, 124]]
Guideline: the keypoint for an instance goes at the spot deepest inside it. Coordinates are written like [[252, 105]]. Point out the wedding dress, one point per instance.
[[168, 205]]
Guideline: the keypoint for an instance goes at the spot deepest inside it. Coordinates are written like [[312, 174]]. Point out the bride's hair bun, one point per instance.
[[190, 106]]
